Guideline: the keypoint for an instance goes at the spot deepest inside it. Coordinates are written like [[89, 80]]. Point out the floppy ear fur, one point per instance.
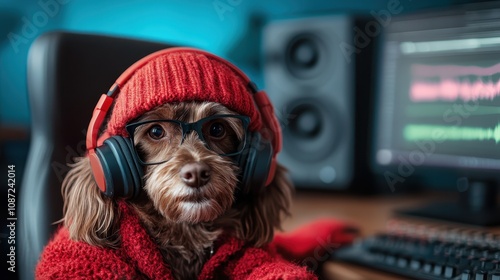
[[88, 214], [262, 213], [93, 218]]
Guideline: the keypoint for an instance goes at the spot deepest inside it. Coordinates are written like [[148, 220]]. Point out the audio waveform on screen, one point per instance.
[[451, 90], [439, 110], [454, 82], [422, 132], [452, 71]]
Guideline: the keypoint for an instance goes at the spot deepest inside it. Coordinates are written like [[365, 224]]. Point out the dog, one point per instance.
[[189, 198]]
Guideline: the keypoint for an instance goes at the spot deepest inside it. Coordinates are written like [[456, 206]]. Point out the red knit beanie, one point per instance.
[[181, 75]]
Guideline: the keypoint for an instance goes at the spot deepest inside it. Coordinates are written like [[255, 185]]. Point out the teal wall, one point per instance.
[[229, 28]]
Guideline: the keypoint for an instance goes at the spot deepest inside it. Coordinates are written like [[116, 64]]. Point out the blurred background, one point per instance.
[[231, 29], [316, 59]]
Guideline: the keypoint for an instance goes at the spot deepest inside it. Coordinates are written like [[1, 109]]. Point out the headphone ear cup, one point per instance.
[[121, 169], [255, 163]]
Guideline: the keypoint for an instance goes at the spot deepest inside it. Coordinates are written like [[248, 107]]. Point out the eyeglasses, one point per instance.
[[224, 134]]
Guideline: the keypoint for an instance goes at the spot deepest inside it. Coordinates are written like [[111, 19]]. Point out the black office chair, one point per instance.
[[67, 72]]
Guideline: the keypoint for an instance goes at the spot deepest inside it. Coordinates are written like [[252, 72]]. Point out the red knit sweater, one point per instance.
[[139, 258]]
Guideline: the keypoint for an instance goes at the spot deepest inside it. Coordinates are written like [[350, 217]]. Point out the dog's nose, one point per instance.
[[195, 174]]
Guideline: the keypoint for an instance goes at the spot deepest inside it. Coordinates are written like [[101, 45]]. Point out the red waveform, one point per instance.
[[450, 71], [450, 90]]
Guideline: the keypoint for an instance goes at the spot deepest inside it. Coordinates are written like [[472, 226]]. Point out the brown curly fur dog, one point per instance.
[[183, 218]]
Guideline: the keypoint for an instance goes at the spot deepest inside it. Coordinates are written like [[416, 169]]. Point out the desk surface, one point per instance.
[[371, 214]]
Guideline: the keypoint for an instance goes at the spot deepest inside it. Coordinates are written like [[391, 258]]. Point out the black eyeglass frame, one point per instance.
[[187, 128]]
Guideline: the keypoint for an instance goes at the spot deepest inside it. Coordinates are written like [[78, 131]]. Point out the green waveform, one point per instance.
[[432, 110], [419, 132]]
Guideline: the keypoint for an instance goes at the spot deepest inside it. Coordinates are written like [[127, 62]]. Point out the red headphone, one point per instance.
[[116, 169]]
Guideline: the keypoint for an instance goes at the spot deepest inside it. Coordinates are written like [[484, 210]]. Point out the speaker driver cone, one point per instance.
[[312, 129], [305, 56]]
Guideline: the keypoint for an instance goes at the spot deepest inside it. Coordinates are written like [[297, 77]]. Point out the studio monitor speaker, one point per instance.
[[309, 72]]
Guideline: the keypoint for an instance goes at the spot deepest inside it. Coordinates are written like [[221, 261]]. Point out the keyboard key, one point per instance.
[[472, 251], [466, 275], [450, 272], [379, 257], [416, 264], [464, 262], [480, 275], [496, 264], [485, 253], [427, 267], [390, 260], [438, 270], [487, 265], [402, 262], [475, 263], [495, 276]]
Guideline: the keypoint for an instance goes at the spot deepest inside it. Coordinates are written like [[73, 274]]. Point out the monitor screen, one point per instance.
[[438, 99]]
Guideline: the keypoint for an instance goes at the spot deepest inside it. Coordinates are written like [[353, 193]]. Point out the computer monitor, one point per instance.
[[438, 107]]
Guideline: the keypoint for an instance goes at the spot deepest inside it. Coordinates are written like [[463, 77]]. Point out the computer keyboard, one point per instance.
[[419, 251]]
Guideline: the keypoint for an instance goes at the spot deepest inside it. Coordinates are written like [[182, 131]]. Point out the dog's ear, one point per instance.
[[88, 214], [263, 213]]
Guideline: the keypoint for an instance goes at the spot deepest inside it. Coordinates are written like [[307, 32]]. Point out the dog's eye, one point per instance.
[[217, 130], [156, 132]]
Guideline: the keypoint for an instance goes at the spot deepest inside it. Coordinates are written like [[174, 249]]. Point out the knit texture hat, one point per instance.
[[181, 75]]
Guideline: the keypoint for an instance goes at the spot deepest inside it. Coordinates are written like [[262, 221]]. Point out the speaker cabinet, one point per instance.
[[309, 75]]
